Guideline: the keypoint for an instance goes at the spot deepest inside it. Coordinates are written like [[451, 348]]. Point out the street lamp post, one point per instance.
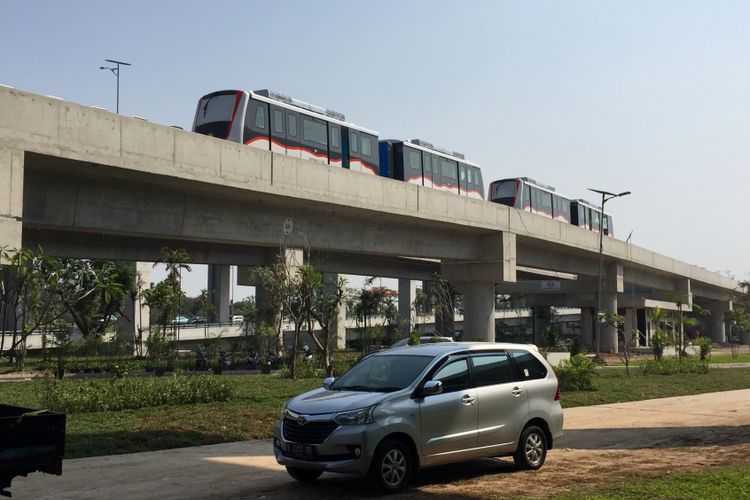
[[606, 196], [116, 72]]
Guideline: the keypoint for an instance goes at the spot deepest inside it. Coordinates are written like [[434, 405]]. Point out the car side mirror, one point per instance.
[[328, 381], [432, 387]]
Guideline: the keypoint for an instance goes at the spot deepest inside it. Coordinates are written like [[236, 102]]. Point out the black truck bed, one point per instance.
[[30, 441]]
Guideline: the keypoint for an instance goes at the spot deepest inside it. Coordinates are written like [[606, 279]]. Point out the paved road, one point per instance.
[[247, 470]]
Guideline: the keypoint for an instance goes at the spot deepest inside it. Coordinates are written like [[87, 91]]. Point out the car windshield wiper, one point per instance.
[[352, 388], [368, 388]]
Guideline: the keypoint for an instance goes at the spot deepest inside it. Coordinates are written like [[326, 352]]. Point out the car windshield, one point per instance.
[[382, 373]]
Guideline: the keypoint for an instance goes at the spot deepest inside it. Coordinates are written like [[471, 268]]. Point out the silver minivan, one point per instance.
[[400, 410]]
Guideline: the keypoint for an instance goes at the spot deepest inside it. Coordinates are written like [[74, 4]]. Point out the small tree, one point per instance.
[[325, 312], [660, 338]]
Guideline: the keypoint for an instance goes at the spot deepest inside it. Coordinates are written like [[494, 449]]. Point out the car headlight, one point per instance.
[[356, 417]]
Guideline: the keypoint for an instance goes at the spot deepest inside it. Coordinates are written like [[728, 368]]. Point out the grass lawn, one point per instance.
[[720, 483], [259, 398], [614, 386]]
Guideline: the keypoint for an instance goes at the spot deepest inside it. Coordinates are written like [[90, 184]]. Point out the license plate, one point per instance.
[[296, 450]]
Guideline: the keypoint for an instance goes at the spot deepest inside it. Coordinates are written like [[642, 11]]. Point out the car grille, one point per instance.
[[310, 432]]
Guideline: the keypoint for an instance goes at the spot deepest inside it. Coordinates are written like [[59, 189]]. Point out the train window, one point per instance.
[[260, 117], [335, 137], [414, 160], [278, 121], [353, 141], [314, 131], [605, 224], [546, 199], [292, 125], [594, 220], [366, 145], [448, 169], [526, 196]]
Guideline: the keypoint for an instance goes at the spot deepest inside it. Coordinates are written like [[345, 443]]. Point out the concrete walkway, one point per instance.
[[248, 470]]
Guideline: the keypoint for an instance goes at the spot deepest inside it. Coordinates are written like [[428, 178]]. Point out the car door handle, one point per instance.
[[468, 400], [517, 391]]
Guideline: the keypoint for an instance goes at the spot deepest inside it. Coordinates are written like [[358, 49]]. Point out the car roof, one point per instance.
[[440, 348]]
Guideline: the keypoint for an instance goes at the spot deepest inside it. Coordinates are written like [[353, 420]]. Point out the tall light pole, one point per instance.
[[606, 196], [116, 72]]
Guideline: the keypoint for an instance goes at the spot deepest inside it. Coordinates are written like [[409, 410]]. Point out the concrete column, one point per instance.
[[587, 328], [479, 311], [219, 287], [329, 282], [609, 332], [11, 197], [141, 312], [631, 323], [407, 291], [717, 323]]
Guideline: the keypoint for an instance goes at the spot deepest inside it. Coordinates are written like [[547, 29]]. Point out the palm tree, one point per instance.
[[175, 260]]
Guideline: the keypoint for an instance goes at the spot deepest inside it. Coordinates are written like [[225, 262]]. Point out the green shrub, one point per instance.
[[673, 366], [659, 340], [576, 374], [704, 343], [86, 396]]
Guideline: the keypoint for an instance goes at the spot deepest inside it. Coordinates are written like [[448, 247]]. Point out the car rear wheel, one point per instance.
[[392, 466], [532, 449], [303, 475]]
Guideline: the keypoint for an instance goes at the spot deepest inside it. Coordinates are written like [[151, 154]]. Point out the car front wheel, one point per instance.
[[392, 466], [303, 475], [532, 449]]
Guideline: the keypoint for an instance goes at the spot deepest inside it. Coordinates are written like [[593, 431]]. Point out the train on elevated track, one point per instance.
[[275, 122]]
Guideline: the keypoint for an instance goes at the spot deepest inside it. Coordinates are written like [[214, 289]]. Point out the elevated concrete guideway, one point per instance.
[[85, 182]]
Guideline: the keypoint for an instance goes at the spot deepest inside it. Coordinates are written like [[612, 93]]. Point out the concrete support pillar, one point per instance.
[[587, 328], [495, 263], [407, 291], [717, 331], [11, 197], [137, 313], [219, 288], [329, 282], [608, 341], [630, 324], [479, 311]]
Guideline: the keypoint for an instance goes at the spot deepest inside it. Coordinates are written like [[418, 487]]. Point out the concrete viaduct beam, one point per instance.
[[92, 203]]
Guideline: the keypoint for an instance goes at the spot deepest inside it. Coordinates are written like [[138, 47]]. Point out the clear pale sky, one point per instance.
[[651, 97]]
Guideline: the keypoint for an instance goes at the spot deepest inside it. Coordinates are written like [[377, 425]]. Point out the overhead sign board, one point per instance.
[[550, 285]]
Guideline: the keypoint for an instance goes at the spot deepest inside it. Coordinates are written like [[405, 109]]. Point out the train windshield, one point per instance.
[[504, 192], [215, 113]]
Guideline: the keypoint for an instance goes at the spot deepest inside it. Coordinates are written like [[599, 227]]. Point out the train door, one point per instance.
[[293, 144], [354, 162], [463, 187], [335, 157], [368, 153], [314, 139], [430, 169], [345, 156], [412, 166], [257, 128], [278, 130], [448, 175]]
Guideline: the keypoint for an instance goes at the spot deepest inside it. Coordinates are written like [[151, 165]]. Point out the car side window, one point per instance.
[[454, 375], [530, 367], [491, 369]]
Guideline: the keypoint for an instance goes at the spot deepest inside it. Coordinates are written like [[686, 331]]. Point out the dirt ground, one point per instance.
[[602, 444]]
